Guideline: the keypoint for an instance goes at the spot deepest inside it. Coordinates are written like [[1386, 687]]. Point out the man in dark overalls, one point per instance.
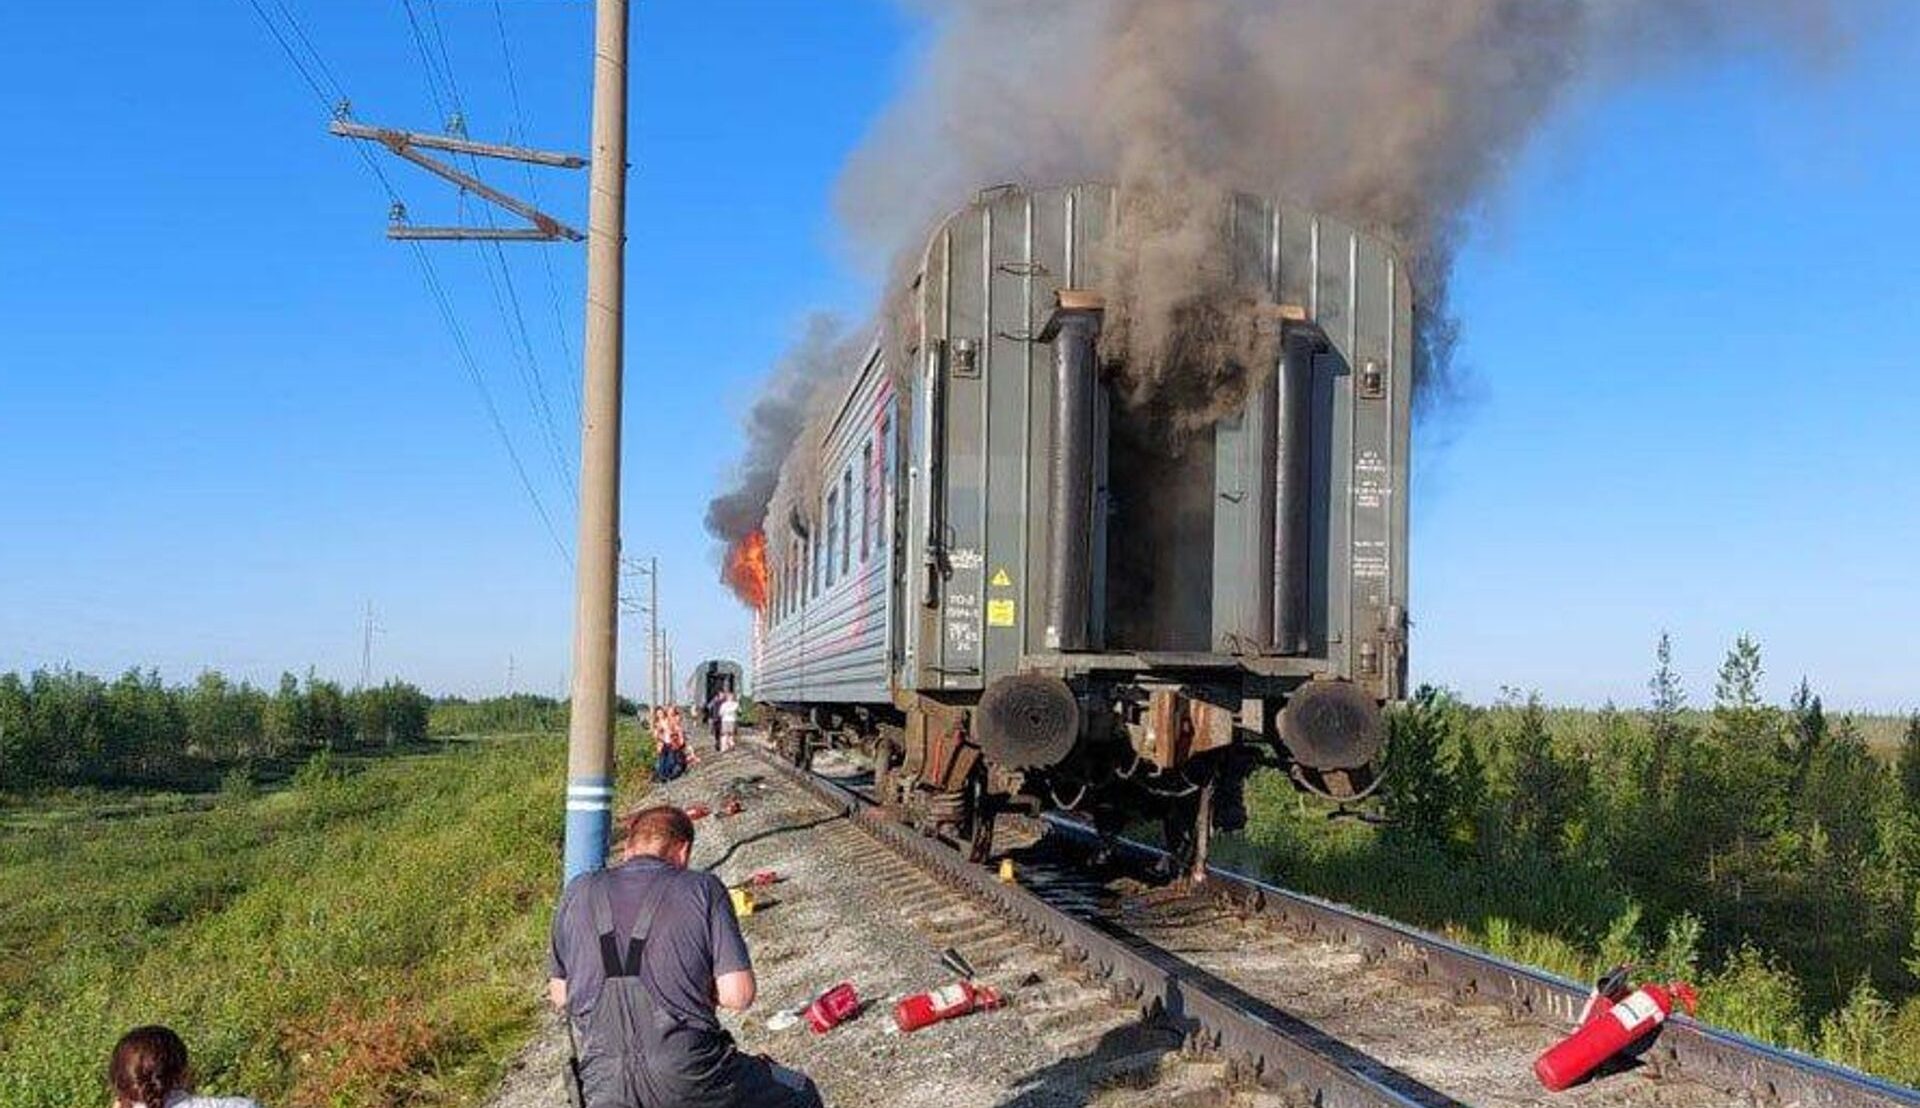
[[642, 954]]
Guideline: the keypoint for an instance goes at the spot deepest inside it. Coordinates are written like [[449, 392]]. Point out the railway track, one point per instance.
[[1324, 1005]]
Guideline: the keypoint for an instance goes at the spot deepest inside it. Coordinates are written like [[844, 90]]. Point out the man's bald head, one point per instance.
[[662, 831]]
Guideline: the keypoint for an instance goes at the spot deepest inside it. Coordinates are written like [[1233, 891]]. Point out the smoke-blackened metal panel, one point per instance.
[[1371, 557], [1245, 459], [1052, 213], [1334, 254], [1009, 364], [962, 615]]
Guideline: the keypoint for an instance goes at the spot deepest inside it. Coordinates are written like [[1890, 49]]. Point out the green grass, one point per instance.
[[368, 935]]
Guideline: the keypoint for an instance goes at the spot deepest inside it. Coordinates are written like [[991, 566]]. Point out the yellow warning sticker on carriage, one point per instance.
[[1001, 580], [1000, 613]]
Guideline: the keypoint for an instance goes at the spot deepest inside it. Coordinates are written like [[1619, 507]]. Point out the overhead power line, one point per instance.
[[314, 72], [293, 56], [486, 394], [429, 36], [518, 132], [427, 63]]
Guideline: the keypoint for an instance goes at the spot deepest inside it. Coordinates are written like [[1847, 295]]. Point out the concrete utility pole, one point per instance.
[[666, 669], [597, 579]]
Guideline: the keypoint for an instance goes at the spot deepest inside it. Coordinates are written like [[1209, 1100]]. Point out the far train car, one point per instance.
[[710, 679]]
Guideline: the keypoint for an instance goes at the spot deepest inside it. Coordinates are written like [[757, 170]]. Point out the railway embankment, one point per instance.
[[846, 909]]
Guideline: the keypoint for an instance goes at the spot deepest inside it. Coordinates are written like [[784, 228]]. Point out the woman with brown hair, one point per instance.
[[149, 1070]]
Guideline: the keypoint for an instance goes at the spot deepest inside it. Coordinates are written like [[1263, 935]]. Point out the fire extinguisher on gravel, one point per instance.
[[925, 1009], [1615, 1019]]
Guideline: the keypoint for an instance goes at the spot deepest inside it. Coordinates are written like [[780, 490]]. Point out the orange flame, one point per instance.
[[746, 570]]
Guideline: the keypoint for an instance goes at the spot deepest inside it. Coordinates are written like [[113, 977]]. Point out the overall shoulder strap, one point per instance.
[[650, 901], [611, 964]]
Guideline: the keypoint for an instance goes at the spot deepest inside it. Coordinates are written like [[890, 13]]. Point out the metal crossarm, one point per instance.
[[408, 145]]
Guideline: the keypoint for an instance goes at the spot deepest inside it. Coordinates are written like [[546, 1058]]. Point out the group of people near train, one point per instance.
[[672, 755]]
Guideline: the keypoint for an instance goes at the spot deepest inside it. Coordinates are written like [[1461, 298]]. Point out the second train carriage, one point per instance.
[[711, 678], [1013, 594]]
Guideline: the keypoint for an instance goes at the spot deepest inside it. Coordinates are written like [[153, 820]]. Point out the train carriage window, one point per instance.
[[886, 475], [833, 532], [846, 521], [868, 513]]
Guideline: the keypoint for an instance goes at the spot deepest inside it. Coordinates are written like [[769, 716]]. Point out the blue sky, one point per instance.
[[230, 416]]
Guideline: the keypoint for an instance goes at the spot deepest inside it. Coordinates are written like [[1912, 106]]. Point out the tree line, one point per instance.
[[61, 727], [1765, 847]]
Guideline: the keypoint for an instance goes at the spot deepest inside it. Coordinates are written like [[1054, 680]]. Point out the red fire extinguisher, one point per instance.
[[1614, 1020], [833, 1007], [925, 1009]]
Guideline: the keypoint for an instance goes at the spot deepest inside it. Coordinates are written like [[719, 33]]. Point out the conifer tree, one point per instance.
[[1664, 722], [1909, 764], [1808, 731], [1419, 790]]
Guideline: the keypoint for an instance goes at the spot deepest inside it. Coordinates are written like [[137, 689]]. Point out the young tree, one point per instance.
[[326, 714], [1419, 794], [1666, 725], [1908, 765], [16, 734], [1739, 684], [1747, 775], [1840, 794], [286, 723], [1546, 787], [1807, 731]]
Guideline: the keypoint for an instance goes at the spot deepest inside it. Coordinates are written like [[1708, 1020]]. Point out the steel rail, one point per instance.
[[1297, 1059], [1708, 1055]]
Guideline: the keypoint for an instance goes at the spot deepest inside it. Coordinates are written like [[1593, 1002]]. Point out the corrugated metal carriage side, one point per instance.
[[826, 625], [1016, 594]]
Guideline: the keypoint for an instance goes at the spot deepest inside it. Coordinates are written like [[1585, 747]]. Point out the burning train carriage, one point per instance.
[[1015, 591]]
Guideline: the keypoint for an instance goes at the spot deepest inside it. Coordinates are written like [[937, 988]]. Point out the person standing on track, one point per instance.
[[713, 716], [641, 956], [729, 719]]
